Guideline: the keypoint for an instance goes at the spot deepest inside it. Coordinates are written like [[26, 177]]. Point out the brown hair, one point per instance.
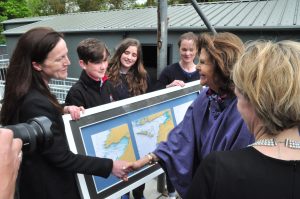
[[224, 49], [33, 46], [92, 50], [188, 36], [136, 76]]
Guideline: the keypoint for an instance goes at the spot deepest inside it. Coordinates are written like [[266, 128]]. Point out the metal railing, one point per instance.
[[59, 88], [4, 57], [3, 67]]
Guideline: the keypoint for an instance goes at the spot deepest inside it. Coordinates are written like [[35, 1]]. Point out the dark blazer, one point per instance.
[[88, 93], [50, 172]]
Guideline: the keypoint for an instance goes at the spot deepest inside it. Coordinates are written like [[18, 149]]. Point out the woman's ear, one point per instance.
[[36, 66]]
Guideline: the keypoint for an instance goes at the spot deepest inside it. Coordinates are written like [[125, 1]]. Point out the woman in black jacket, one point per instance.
[[49, 172]]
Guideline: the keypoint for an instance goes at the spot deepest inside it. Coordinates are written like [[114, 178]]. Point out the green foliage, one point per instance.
[[2, 38], [14, 8], [151, 3], [35, 7], [10, 9], [171, 2], [122, 4], [47, 7], [91, 5]]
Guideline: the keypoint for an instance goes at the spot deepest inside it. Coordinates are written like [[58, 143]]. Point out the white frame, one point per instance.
[[138, 102]]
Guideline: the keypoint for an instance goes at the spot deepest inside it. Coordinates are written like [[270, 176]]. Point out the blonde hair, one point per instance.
[[268, 75]]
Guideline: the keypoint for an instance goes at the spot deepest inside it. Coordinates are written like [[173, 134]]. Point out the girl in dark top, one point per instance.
[[49, 172], [126, 70], [128, 75], [185, 70]]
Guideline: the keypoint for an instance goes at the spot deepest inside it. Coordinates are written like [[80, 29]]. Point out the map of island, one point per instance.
[[114, 143], [151, 130]]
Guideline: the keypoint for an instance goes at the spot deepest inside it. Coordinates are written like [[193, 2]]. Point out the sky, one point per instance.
[[141, 1]]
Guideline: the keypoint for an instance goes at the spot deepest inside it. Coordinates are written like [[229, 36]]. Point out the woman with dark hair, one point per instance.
[[212, 122], [49, 172], [128, 75]]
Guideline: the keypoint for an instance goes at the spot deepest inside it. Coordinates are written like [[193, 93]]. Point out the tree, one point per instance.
[[151, 3], [91, 5], [57, 6], [171, 2], [52, 7], [10, 9], [14, 9], [121, 4], [35, 7]]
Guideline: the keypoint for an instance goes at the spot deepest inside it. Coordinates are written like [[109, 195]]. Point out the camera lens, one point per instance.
[[36, 133]]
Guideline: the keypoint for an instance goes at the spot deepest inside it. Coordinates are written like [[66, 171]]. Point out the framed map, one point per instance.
[[127, 130]]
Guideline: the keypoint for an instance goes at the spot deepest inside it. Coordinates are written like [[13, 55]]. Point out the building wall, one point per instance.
[[148, 41], [111, 40], [3, 49]]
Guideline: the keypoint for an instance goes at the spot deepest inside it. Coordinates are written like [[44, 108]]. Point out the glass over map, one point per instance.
[[132, 135], [151, 130]]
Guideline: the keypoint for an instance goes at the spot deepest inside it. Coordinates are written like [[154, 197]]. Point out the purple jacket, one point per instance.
[[204, 129]]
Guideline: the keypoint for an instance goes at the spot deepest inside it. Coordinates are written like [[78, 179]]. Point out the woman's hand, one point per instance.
[[121, 169], [140, 163], [150, 158], [176, 83], [74, 111]]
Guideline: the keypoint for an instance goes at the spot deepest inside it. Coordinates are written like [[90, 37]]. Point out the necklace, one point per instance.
[[272, 142]]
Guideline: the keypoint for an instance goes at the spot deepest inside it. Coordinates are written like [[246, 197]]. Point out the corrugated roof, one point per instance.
[[227, 15], [28, 19]]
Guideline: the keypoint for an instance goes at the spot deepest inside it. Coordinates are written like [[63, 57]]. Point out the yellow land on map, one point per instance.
[[164, 128], [117, 133]]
